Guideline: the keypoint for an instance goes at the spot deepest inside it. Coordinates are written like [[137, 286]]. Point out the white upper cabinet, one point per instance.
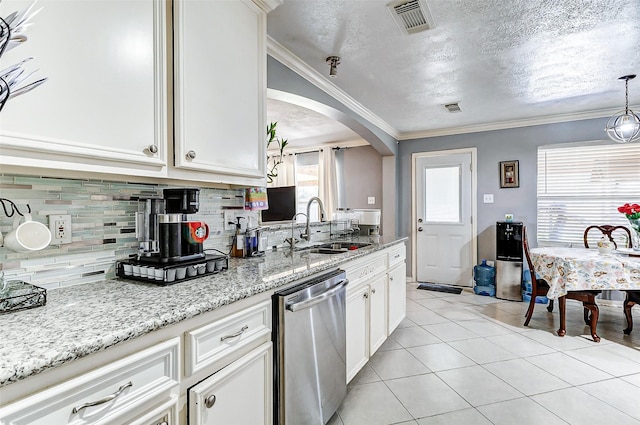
[[220, 88], [104, 106]]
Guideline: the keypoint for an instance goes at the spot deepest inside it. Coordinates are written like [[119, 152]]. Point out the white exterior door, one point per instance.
[[444, 235]]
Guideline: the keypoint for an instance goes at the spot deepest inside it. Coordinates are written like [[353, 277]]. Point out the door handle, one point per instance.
[[104, 400], [419, 229], [319, 298]]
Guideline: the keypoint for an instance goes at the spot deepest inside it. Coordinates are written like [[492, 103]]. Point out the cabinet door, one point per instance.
[[397, 296], [238, 394], [220, 87], [377, 312], [103, 108], [357, 327]]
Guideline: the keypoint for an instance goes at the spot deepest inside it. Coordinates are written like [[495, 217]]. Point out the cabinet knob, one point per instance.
[[419, 229], [373, 291], [391, 278], [191, 155], [366, 295], [152, 149], [163, 423], [210, 401]]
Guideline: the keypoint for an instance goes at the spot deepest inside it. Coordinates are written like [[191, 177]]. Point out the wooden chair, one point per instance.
[[632, 297], [607, 230], [540, 287]]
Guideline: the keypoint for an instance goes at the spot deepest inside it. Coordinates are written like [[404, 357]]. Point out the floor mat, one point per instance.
[[439, 287]]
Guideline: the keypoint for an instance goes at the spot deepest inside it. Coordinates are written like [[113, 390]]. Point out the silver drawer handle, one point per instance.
[[107, 399], [235, 335], [397, 256], [191, 155], [210, 401]]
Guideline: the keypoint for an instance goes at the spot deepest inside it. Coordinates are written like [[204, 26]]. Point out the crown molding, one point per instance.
[[294, 63], [268, 5], [503, 125]]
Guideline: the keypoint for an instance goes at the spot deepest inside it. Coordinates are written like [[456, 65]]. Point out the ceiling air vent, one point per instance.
[[411, 16], [452, 107]]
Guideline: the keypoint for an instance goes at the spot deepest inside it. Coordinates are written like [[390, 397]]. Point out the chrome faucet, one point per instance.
[[292, 241], [307, 235]]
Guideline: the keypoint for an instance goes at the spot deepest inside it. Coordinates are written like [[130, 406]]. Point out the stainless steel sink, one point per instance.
[[337, 247], [345, 245]]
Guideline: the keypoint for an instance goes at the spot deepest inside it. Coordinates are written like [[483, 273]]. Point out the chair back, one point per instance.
[[525, 246], [607, 230]]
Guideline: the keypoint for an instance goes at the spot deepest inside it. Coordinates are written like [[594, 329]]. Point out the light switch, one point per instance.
[[371, 200], [488, 198]]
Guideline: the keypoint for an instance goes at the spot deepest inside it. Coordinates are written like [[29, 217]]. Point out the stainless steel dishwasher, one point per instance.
[[309, 340]]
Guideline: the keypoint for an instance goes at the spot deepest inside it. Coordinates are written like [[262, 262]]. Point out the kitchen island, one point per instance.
[[81, 327]]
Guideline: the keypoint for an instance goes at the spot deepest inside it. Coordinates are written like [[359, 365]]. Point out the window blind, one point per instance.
[[579, 186]]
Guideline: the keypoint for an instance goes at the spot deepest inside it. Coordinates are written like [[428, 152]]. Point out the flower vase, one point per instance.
[[635, 233]]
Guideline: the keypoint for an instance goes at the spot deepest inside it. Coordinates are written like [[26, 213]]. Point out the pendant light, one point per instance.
[[333, 62], [624, 126]]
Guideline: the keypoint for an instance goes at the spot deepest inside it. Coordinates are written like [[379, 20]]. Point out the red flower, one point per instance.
[[632, 211]]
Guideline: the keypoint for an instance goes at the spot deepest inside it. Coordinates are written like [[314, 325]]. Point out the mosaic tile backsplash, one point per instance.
[[103, 225]]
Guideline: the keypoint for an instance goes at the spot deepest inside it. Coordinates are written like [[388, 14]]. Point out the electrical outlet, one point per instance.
[[371, 200], [488, 198], [60, 227], [231, 219]]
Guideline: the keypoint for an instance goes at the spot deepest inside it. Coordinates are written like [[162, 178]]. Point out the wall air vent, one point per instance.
[[452, 107], [411, 16]]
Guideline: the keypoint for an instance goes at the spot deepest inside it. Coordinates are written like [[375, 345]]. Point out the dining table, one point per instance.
[[581, 269]]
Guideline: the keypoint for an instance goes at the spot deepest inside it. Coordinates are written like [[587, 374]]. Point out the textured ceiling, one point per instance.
[[503, 60], [304, 127]]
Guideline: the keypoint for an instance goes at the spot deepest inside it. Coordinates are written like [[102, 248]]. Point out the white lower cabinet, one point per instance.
[[397, 295], [112, 394], [357, 327], [375, 304], [238, 394], [366, 322], [377, 312]]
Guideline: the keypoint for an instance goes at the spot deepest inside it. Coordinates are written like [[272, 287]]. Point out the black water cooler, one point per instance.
[[509, 260]]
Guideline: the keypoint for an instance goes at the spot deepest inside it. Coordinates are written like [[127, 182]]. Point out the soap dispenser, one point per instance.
[[237, 250]]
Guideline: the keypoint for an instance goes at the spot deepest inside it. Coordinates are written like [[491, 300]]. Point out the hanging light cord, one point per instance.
[[626, 95]]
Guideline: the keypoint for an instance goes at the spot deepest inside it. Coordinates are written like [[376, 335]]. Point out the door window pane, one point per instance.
[[442, 194]]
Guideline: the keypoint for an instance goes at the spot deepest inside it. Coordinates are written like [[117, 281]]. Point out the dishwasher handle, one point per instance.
[[318, 298]]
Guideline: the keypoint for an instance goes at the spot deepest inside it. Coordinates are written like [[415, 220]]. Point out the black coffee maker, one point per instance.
[[165, 232]]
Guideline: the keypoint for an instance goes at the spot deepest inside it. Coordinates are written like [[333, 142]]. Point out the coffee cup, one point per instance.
[[27, 235], [195, 232]]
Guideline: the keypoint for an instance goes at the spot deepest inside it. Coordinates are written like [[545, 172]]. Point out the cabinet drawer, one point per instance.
[[105, 395], [362, 272], [208, 344], [397, 255]]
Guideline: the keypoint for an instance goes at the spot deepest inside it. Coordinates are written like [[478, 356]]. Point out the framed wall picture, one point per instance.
[[509, 174]]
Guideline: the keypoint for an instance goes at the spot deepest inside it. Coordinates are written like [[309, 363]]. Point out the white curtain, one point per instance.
[[286, 172], [327, 181]]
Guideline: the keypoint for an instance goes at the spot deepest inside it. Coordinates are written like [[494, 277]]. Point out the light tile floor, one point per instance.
[[468, 359]]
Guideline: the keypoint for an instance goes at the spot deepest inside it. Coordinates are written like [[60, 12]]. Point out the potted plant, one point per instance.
[[274, 160]]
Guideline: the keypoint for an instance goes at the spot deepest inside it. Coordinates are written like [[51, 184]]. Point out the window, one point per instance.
[[307, 184], [442, 194], [579, 186]]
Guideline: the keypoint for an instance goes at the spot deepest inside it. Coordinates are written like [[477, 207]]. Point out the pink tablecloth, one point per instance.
[[574, 269]]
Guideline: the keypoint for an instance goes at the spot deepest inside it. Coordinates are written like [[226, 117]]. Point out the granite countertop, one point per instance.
[[84, 319]]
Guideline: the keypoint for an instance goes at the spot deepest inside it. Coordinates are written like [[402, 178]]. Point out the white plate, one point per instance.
[[628, 251]]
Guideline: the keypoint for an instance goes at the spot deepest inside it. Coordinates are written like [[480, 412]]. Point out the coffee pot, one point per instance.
[[165, 233]]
